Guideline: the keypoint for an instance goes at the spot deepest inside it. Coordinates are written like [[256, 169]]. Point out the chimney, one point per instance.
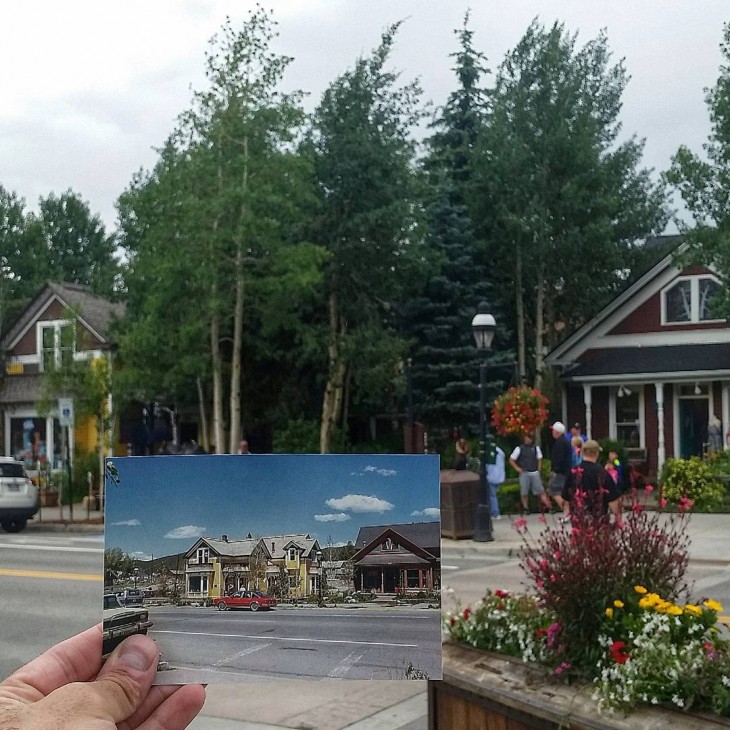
[[272, 547], [224, 538]]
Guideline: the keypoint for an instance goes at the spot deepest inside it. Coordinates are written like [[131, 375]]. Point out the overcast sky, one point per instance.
[[89, 88]]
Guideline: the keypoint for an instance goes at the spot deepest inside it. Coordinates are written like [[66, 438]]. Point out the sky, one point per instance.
[[163, 504], [89, 89]]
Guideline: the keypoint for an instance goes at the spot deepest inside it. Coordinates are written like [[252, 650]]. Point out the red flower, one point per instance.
[[618, 652], [467, 613], [501, 594]]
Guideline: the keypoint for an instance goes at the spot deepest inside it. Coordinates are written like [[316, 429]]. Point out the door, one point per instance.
[[694, 414]]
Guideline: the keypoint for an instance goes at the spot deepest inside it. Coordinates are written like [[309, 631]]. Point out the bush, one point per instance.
[[692, 480], [576, 572]]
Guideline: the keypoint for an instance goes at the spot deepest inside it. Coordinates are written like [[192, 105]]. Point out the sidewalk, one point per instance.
[[58, 519]]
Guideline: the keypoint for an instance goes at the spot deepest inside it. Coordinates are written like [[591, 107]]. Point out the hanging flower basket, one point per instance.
[[519, 411]]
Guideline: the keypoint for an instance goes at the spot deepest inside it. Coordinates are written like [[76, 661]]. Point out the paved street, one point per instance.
[[51, 588], [287, 643]]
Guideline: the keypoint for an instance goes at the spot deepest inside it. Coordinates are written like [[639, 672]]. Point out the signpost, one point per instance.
[[66, 420]]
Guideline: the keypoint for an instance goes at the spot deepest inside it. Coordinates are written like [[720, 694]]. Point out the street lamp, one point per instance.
[[483, 326], [319, 577], [136, 576]]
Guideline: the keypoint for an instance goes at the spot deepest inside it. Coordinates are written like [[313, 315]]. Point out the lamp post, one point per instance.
[[483, 326], [319, 577], [136, 577]]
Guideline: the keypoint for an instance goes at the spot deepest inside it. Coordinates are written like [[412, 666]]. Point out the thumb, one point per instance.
[[119, 689]]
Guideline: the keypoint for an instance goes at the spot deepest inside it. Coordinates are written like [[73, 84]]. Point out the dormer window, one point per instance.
[[203, 555], [292, 554], [689, 300], [56, 344]]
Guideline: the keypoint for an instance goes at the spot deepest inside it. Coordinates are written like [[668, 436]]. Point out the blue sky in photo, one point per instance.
[[164, 503]]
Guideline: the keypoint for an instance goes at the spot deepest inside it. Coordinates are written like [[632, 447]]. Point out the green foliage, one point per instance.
[[115, 559], [702, 181], [692, 479]]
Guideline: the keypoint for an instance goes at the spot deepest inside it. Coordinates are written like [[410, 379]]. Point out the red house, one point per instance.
[[653, 367]]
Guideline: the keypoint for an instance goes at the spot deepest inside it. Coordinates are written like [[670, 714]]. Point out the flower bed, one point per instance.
[[608, 606]]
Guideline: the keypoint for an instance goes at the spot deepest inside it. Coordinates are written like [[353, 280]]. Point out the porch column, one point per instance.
[[661, 452], [588, 402]]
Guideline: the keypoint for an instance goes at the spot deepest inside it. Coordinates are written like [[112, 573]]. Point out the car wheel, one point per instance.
[[254, 606], [14, 525], [222, 606]]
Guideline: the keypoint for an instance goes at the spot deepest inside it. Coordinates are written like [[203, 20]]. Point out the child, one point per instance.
[[613, 467]]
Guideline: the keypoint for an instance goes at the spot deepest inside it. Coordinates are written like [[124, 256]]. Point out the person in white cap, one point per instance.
[[561, 461]]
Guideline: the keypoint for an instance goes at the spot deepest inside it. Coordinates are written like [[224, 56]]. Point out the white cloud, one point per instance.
[[359, 503], [428, 512], [128, 523], [336, 517], [186, 532], [382, 472], [140, 556]]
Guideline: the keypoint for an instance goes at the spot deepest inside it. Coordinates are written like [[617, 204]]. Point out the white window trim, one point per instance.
[[27, 412], [694, 300], [56, 325], [676, 397], [612, 423]]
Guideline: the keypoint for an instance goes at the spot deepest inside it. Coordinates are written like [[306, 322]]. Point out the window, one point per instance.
[[389, 544], [57, 344], [198, 584], [203, 555], [689, 300], [627, 418], [412, 577], [292, 554]]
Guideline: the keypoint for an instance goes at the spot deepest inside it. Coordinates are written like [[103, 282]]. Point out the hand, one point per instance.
[[67, 688]]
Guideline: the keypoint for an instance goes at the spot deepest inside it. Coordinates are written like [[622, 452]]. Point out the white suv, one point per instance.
[[18, 495]]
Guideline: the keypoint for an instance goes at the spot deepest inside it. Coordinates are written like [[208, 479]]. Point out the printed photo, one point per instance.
[[251, 568]]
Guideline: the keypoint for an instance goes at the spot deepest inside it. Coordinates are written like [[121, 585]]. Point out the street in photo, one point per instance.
[[252, 568]]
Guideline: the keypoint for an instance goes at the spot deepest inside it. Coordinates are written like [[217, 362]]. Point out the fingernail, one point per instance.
[[138, 653]]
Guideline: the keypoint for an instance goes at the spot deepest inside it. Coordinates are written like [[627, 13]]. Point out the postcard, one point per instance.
[[252, 568]]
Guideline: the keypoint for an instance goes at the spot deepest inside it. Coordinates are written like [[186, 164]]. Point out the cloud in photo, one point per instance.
[[428, 512], [128, 523], [382, 472], [140, 556], [186, 532], [360, 503], [334, 517]]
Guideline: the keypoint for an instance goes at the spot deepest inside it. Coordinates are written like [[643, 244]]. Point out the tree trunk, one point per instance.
[[333, 392], [203, 440], [217, 368], [520, 313], [539, 326], [238, 309]]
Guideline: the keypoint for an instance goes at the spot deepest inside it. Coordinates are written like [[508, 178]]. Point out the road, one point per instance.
[[51, 587], [290, 643]]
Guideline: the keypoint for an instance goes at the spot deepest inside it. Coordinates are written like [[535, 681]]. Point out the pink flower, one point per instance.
[[557, 555], [562, 668], [648, 488], [663, 502], [540, 583], [637, 507], [520, 524], [542, 519]]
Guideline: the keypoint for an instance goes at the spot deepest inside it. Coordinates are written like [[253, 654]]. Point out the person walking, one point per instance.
[[526, 459], [561, 462], [495, 477], [589, 486]]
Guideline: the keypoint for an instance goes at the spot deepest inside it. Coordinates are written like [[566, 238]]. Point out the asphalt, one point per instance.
[[383, 705]]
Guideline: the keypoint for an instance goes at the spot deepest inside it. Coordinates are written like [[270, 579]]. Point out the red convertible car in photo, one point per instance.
[[245, 599]]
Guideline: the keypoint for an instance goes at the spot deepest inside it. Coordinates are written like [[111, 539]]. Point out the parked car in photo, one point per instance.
[[245, 599], [131, 597], [18, 495], [121, 622]]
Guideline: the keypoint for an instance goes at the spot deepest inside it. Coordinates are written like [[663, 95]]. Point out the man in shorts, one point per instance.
[[561, 462], [526, 460]]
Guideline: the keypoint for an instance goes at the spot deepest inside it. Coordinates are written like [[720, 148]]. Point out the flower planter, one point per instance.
[[484, 690], [49, 499]]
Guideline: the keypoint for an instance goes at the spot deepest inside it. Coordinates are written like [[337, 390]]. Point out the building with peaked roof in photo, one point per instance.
[[398, 558], [653, 367], [283, 565]]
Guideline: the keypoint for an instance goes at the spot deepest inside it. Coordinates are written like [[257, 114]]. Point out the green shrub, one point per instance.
[[692, 479]]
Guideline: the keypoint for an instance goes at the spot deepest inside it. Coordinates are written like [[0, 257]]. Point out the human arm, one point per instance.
[[513, 460], [68, 688]]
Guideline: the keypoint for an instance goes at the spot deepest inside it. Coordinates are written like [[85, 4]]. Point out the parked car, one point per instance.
[[121, 622], [18, 495], [245, 599], [131, 597]]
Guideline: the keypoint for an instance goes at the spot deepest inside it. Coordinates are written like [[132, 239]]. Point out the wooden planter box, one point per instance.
[[481, 691], [459, 499], [49, 499]]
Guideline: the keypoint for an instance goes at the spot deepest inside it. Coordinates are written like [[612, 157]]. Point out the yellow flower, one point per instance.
[[673, 610], [618, 604], [640, 589], [694, 610], [609, 612], [713, 605]]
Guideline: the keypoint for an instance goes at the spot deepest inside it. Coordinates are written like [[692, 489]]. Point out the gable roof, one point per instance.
[[227, 548], [281, 543], [94, 312], [423, 534], [369, 554]]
